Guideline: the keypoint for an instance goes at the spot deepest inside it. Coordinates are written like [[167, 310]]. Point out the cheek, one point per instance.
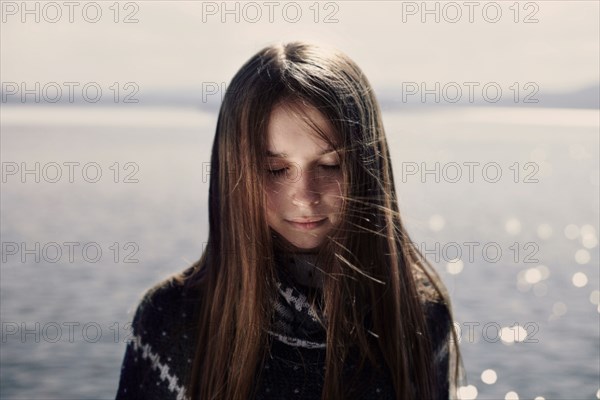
[[272, 199], [333, 190]]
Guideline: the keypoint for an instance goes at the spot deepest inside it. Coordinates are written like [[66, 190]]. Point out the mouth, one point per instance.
[[308, 224]]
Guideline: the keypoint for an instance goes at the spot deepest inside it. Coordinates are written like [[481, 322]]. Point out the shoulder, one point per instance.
[[166, 306], [435, 301], [161, 343]]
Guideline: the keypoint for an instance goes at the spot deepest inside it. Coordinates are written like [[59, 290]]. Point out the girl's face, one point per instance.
[[303, 178]]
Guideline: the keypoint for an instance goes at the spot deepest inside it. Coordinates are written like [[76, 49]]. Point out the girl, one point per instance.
[[310, 287]]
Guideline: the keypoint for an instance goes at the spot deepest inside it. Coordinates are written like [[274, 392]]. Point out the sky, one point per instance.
[[183, 44]]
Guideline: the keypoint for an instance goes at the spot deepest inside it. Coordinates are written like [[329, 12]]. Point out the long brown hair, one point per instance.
[[372, 268]]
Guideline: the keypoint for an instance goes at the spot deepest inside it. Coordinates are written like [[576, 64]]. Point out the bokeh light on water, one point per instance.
[[529, 317]]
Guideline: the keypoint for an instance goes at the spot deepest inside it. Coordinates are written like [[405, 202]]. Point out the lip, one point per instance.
[[306, 220], [311, 224]]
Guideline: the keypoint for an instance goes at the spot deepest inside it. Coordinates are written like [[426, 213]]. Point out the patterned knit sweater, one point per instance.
[[160, 351]]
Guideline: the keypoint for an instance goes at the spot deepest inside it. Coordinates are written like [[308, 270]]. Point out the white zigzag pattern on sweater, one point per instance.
[[157, 365], [300, 303], [297, 342]]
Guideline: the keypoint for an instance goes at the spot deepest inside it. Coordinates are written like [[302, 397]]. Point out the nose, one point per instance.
[[304, 191]]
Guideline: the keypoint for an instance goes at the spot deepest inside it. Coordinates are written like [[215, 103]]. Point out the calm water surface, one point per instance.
[[504, 202]]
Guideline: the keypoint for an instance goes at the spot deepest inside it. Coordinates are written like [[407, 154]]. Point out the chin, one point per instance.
[[306, 248], [300, 243], [293, 244]]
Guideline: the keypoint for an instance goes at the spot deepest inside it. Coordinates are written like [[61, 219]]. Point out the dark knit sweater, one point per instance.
[[160, 351]]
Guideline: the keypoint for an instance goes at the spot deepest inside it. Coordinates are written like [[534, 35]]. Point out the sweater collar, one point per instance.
[[295, 321]]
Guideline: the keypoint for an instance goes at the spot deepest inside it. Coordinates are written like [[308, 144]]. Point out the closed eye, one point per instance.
[[281, 171], [277, 172]]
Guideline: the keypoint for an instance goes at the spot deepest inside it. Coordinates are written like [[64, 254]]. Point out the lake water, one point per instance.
[[504, 201]]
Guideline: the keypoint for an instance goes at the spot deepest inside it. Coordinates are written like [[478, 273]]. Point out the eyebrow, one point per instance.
[[284, 155]]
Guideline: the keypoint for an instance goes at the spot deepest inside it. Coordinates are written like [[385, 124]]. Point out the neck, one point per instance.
[[302, 266]]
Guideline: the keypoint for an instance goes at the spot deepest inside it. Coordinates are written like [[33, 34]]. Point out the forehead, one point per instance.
[[293, 132]]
